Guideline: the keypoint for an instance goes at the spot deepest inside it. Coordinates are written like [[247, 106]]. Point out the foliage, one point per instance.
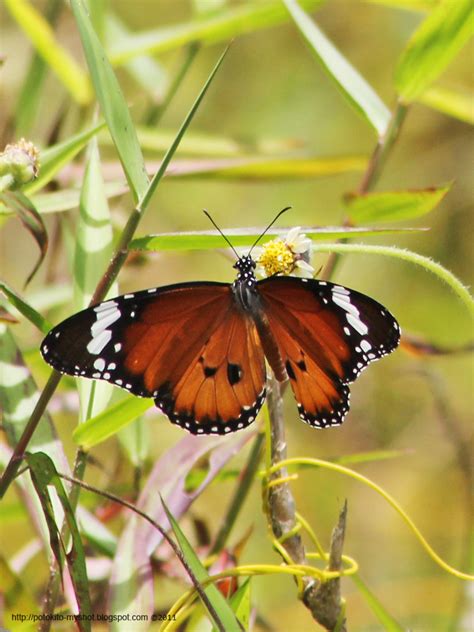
[[102, 203]]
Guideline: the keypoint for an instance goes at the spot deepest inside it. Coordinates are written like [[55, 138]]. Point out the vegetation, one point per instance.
[[355, 113]]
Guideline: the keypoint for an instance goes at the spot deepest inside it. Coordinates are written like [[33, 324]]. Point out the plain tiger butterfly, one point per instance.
[[198, 349]]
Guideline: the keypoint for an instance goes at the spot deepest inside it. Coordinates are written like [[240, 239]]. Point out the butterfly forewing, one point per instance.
[[327, 334], [184, 345]]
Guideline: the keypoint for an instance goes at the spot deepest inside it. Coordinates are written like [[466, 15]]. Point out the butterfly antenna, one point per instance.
[[217, 227], [287, 208]]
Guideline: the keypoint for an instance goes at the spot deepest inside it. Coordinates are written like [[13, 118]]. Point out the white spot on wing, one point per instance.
[[365, 345], [99, 364], [99, 341], [358, 325]]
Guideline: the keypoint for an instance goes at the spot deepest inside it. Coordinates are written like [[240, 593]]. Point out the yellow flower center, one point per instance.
[[276, 258]]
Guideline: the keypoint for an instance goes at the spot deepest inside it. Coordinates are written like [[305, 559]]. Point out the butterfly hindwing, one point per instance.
[[327, 334], [185, 345]]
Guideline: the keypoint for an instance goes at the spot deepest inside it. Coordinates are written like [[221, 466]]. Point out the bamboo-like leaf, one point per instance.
[[27, 105], [393, 206], [433, 46], [109, 421], [240, 237], [31, 220], [112, 103], [43, 473], [219, 27], [226, 619], [56, 56], [92, 253], [251, 168], [351, 83], [25, 308], [458, 103], [54, 158], [146, 71]]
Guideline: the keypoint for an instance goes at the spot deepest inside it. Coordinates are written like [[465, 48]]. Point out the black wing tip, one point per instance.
[[327, 419], [207, 426]]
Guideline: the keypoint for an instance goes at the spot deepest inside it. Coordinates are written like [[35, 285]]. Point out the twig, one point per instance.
[[322, 599]]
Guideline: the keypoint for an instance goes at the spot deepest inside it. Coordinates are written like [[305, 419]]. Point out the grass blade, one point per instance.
[[219, 27], [457, 103], [433, 46], [112, 103], [24, 308], [54, 158], [58, 59], [226, 619], [352, 85]]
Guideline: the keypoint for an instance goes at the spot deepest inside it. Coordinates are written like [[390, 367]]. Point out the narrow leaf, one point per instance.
[[112, 103], [433, 46], [44, 473], [394, 206], [93, 250], [54, 158], [226, 619], [204, 239], [218, 27], [109, 421], [24, 308], [388, 622], [457, 103], [58, 58], [352, 85]]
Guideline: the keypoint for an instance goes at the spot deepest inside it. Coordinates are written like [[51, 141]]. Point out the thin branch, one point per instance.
[[322, 599]]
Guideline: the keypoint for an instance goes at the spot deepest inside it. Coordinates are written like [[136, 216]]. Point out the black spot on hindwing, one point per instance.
[[234, 373]]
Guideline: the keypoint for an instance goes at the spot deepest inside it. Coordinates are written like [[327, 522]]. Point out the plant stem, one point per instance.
[[322, 600]]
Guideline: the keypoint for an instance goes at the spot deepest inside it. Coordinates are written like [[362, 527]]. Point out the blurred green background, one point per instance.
[[271, 88]]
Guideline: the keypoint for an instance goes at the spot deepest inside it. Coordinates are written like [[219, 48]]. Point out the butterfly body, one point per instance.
[[199, 348]]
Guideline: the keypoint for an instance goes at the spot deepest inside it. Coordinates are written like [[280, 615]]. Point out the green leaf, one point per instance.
[[433, 46], [149, 74], [43, 473], [68, 199], [251, 168], [393, 206], [204, 239], [109, 422], [112, 103], [352, 85], [455, 102], [219, 27], [56, 157], [93, 250], [31, 220], [226, 618], [31, 93], [24, 308], [58, 58]]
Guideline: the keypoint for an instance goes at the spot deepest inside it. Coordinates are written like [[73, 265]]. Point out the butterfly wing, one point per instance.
[[326, 334], [185, 345]]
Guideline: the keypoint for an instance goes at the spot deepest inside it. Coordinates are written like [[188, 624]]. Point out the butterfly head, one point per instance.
[[246, 267]]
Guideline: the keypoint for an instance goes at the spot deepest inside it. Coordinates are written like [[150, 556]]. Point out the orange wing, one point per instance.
[[326, 335], [185, 345]]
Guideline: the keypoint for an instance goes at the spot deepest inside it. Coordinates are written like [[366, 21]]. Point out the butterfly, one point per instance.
[[199, 348]]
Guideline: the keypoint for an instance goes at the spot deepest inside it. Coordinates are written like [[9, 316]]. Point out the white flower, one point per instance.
[[288, 256]]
